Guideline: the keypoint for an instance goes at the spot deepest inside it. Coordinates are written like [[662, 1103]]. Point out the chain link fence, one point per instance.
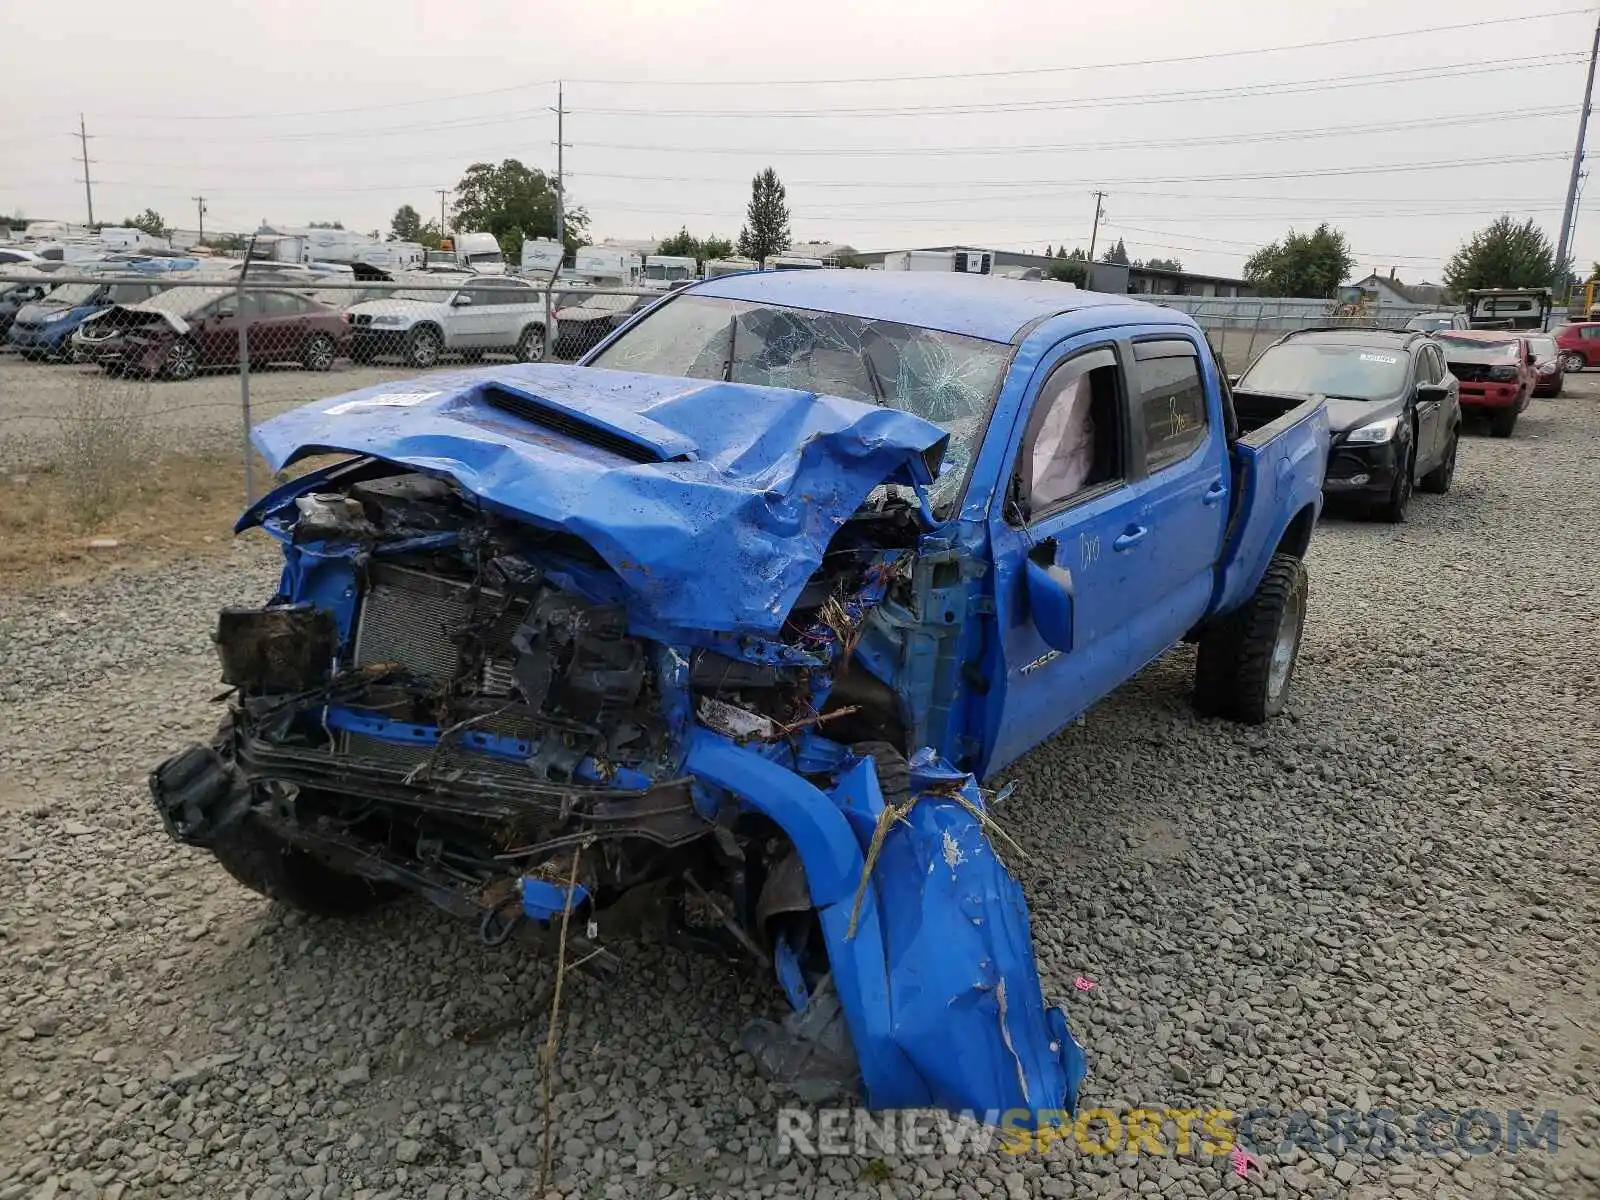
[[1242, 327], [204, 354]]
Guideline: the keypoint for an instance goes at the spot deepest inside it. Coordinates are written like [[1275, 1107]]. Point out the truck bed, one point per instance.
[[1259, 412]]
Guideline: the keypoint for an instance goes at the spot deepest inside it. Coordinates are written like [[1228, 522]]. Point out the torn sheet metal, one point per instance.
[[938, 953], [712, 502]]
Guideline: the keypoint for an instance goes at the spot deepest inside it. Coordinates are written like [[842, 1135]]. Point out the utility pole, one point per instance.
[[1567, 214], [443, 192], [1099, 199], [561, 179], [88, 189], [200, 210]]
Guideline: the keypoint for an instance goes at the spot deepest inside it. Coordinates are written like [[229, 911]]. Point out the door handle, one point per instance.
[[1131, 537], [1215, 492]]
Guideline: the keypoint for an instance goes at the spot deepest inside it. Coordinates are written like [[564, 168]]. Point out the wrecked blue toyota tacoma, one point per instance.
[[716, 633]]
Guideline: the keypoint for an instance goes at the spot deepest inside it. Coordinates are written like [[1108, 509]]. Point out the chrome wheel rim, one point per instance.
[[1285, 645]]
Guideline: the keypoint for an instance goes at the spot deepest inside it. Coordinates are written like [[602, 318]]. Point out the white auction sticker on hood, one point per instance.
[[385, 400]]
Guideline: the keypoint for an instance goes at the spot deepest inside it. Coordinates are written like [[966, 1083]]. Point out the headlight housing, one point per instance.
[[392, 319], [1503, 374], [1374, 434]]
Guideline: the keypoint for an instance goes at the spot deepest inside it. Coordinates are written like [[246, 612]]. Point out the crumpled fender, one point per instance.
[[938, 983]]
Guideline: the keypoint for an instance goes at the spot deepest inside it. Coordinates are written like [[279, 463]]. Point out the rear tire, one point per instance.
[[1438, 480], [1572, 361], [1502, 422], [1247, 658], [265, 863]]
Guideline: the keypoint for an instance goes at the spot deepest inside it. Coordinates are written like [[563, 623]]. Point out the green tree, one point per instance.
[[228, 243], [325, 225], [429, 237], [514, 202], [684, 244], [766, 229], [406, 225], [150, 222], [1159, 264], [1303, 264], [1117, 255], [1504, 253]]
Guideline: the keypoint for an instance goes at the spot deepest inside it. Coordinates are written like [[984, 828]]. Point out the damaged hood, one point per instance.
[[713, 502]]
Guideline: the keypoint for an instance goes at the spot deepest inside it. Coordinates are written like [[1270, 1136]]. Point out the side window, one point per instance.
[[1170, 403], [1074, 440], [1425, 368], [1440, 371], [1590, 332]]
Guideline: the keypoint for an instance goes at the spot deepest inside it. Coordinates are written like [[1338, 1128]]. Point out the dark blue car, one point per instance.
[[733, 619], [44, 328]]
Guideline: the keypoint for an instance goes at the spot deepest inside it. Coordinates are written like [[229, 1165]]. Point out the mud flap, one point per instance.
[[934, 972]]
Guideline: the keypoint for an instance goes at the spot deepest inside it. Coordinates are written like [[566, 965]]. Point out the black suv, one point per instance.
[[1393, 405]]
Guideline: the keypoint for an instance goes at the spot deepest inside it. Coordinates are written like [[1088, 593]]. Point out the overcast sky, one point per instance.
[[295, 111]]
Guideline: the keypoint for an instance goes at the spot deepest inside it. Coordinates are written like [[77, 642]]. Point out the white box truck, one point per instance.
[[540, 256], [959, 261]]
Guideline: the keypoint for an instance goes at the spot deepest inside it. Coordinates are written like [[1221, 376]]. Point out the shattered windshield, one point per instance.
[[945, 378]]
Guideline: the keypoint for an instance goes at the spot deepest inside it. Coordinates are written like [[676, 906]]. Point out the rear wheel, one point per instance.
[[183, 360], [530, 346], [1247, 658], [1438, 480], [318, 353], [423, 346], [1571, 360], [265, 863], [1502, 422]]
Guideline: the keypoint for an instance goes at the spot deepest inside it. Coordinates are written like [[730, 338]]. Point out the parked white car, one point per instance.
[[492, 313]]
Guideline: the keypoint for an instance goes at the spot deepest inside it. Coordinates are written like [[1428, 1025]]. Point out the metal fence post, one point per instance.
[[244, 371], [1255, 328], [549, 321]]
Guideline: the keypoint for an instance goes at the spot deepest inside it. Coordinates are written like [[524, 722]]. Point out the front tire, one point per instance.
[[1502, 422], [423, 347], [318, 353], [530, 346], [1393, 510], [1572, 361], [1247, 658], [183, 361], [265, 863], [1437, 481]]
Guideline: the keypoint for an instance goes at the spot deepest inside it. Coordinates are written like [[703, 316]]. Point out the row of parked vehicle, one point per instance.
[[1397, 399], [155, 327]]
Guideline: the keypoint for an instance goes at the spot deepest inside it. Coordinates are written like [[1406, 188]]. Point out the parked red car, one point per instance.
[[186, 330], [1496, 371], [1579, 343]]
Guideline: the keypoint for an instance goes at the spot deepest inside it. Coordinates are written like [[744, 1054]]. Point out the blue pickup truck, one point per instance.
[[715, 636]]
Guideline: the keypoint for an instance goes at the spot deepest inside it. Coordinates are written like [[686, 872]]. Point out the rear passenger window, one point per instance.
[[1171, 401]]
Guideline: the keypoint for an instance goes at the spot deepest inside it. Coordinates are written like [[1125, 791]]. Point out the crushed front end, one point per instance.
[[485, 710]]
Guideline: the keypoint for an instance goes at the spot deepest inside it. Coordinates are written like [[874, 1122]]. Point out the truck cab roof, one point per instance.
[[981, 306]]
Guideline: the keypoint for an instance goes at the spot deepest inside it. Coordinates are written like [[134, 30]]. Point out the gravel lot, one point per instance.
[[1389, 898], [198, 413]]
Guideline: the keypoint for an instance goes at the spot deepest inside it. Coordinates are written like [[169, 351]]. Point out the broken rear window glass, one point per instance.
[[945, 378]]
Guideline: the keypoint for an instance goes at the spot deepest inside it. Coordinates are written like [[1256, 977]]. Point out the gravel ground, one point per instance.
[[200, 413], [1386, 899]]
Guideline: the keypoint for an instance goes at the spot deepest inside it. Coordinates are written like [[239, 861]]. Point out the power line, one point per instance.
[[1145, 62], [1498, 162], [1289, 135], [1279, 135], [1188, 96], [1018, 72], [1230, 92]]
